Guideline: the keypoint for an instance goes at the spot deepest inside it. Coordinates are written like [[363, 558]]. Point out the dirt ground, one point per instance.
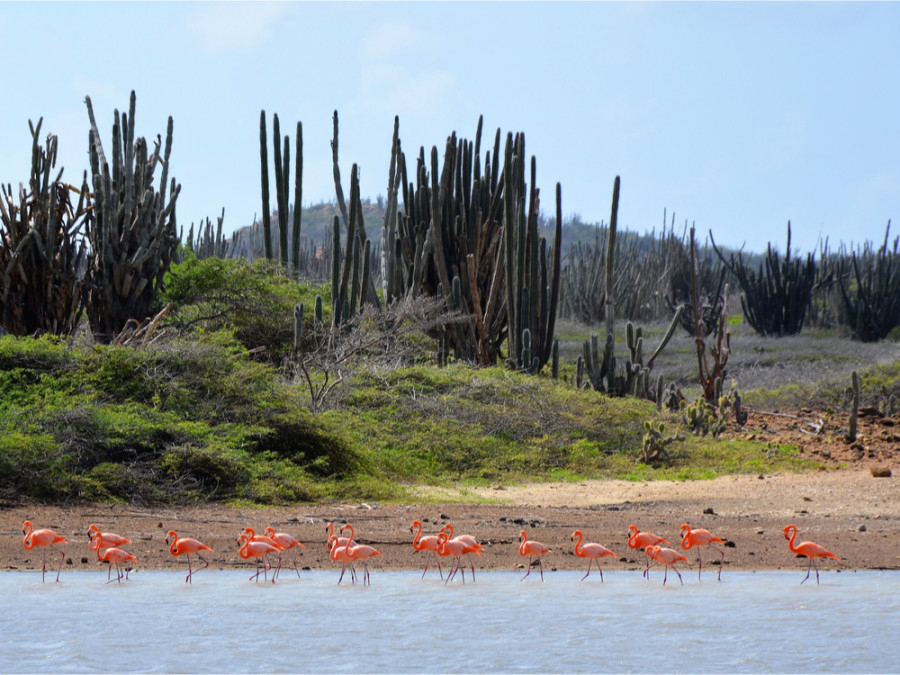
[[845, 508]]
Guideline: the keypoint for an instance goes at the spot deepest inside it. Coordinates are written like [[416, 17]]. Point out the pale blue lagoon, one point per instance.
[[756, 622]]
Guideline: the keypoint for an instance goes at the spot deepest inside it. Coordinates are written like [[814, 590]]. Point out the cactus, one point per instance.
[[132, 230], [869, 283], [775, 301], [482, 228], [655, 442], [43, 250], [353, 220], [207, 244], [854, 408], [282, 162]]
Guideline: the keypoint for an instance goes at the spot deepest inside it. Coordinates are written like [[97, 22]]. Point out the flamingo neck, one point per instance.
[[578, 550], [172, 549], [28, 543], [791, 546], [349, 539], [416, 544], [524, 541], [450, 531]]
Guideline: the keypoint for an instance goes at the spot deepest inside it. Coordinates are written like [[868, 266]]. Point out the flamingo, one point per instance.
[[700, 538], [427, 543], [187, 546], [643, 540], [42, 538], [470, 542], [259, 549], [107, 539], [808, 548], [286, 542], [533, 549], [591, 551], [338, 553], [455, 548], [112, 556], [668, 557], [250, 533], [360, 552], [341, 541]]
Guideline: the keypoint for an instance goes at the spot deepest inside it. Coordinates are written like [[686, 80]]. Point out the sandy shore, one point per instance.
[[851, 513]]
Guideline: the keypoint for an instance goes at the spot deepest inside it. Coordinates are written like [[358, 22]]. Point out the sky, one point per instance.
[[735, 116]]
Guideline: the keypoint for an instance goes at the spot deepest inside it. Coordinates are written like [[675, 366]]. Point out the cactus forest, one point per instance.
[[461, 265]]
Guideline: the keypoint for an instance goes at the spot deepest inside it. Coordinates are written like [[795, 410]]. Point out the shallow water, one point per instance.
[[750, 622]]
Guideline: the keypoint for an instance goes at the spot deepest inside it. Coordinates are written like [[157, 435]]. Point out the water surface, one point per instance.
[[756, 622]]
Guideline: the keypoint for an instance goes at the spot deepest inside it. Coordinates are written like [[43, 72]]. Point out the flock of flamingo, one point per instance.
[[342, 549]]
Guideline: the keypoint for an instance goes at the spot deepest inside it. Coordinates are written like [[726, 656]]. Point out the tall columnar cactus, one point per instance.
[[355, 226], [350, 273], [288, 231], [854, 407], [775, 300], [132, 229], [42, 249]]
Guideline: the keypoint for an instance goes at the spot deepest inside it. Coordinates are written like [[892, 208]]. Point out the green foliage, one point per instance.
[[255, 302], [172, 423]]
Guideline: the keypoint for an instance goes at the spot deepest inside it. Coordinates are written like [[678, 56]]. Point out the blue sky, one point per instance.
[[736, 116]]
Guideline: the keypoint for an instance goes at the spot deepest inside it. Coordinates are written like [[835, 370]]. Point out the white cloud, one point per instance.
[[227, 26]]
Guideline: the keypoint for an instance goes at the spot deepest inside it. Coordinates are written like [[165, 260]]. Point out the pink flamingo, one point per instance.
[[360, 552], [338, 553], [42, 538], [341, 541], [427, 543], [667, 557], [456, 548], [112, 556], [808, 548], [533, 549], [591, 551], [470, 542], [187, 546], [643, 540], [700, 538], [250, 533], [258, 549], [286, 542], [107, 539]]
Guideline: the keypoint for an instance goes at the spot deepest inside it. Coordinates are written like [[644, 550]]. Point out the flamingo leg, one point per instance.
[[63, 557], [472, 565], [721, 562], [699, 563], [679, 576], [190, 571], [437, 560], [665, 574], [808, 569], [541, 565], [528, 568], [590, 562]]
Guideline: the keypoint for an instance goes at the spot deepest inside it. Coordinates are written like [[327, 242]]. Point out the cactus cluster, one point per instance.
[[469, 235], [132, 227], [208, 243], [655, 442], [43, 253], [869, 283], [601, 369], [775, 298], [282, 162]]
